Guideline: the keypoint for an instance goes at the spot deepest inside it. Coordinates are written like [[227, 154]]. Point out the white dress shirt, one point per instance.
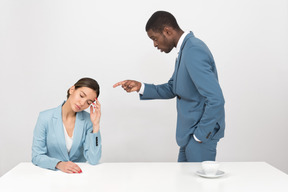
[[68, 140]]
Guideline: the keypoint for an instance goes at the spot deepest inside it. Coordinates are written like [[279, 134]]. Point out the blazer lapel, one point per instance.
[[188, 36], [78, 133], [59, 132], [178, 59], [176, 73]]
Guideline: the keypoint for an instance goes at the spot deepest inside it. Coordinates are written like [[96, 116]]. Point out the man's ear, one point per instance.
[[168, 31], [72, 89]]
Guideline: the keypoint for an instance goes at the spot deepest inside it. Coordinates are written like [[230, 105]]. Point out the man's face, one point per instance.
[[161, 41]]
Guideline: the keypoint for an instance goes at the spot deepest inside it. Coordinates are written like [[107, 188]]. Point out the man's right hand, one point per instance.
[[129, 85]]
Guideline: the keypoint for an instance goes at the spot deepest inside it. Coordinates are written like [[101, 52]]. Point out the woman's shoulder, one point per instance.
[[49, 113]]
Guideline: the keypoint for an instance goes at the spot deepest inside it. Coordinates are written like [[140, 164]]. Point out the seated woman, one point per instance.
[[68, 134]]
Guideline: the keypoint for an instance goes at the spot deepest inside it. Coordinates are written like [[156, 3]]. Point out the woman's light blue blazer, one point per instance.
[[49, 146]]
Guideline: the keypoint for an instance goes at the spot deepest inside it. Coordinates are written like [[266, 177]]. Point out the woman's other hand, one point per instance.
[[68, 167], [95, 114]]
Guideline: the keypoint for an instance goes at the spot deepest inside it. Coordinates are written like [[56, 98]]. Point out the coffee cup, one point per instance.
[[210, 168]]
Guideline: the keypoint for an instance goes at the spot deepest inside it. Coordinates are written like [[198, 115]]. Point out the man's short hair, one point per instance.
[[161, 19]]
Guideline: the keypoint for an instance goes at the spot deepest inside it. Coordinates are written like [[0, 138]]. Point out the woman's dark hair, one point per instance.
[[161, 19], [86, 82]]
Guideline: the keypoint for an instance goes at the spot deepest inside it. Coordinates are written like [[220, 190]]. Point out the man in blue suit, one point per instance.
[[200, 102]]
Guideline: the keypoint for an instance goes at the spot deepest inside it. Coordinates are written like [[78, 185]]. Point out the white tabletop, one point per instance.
[[134, 177]]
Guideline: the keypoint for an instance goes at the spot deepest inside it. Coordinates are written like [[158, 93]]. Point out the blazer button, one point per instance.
[[178, 97]]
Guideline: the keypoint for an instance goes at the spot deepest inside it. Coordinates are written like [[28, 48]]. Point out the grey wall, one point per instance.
[[46, 46]]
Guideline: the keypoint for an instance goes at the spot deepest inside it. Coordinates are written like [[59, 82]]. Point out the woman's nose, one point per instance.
[[82, 102]]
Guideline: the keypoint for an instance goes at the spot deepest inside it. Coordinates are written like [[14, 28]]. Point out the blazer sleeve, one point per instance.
[[204, 76], [163, 91], [92, 145], [39, 147]]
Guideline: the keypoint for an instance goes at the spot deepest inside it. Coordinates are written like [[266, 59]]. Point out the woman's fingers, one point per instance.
[[68, 167], [76, 167], [96, 105], [91, 108], [73, 168]]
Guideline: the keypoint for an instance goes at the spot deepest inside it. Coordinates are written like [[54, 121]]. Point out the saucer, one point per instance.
[[218, 174]]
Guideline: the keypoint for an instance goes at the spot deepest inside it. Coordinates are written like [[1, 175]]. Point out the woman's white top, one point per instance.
[[69, 140]]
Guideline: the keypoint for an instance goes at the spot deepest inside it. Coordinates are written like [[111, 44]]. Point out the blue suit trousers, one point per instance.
[[198, 152]]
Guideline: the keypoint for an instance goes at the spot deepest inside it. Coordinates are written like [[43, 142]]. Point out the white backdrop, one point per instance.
[[46, 46]]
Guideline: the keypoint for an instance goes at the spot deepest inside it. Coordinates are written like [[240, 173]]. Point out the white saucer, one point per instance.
[[218, 174]]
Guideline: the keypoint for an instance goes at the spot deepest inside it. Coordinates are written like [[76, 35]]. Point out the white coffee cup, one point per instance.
[[210, 168]]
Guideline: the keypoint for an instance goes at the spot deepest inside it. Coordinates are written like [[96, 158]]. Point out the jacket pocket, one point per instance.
[[218, 131]]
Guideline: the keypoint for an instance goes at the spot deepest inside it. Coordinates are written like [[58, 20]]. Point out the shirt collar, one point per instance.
[[181, 41]]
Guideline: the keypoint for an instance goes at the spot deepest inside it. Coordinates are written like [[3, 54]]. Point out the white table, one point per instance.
[[148, 177]]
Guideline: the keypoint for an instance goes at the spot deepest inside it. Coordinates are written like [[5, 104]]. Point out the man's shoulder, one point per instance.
[[194, 41]]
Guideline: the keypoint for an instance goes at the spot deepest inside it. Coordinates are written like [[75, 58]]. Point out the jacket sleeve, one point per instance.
[[39, 146], [92, 146], [204, 76], [163, 91]]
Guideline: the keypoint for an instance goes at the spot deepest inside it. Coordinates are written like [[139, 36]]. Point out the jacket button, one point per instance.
[[178, 97]]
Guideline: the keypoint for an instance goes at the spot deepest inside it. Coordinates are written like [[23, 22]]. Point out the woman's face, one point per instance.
[[81, 98]]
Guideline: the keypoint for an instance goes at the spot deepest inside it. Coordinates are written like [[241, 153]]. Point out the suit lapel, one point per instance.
[[59, 131], [178, 59], [78, 133], [182, 47], [176, 72]]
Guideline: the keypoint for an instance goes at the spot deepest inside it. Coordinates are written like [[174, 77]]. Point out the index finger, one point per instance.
[[97, 102], [119, 83]]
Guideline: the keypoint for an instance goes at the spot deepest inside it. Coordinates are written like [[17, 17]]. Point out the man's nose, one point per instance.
[[155, 44]]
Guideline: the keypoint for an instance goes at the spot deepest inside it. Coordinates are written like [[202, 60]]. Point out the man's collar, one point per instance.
[[181, 41]]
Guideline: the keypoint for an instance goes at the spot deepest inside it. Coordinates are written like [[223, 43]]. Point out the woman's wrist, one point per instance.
[[57, 166], [96, 128]]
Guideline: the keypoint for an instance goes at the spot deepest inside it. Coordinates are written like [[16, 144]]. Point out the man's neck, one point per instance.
[[178, 36]]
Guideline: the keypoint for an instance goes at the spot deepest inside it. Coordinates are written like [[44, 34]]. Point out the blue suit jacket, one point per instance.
[[200, 102], [49, 146]]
